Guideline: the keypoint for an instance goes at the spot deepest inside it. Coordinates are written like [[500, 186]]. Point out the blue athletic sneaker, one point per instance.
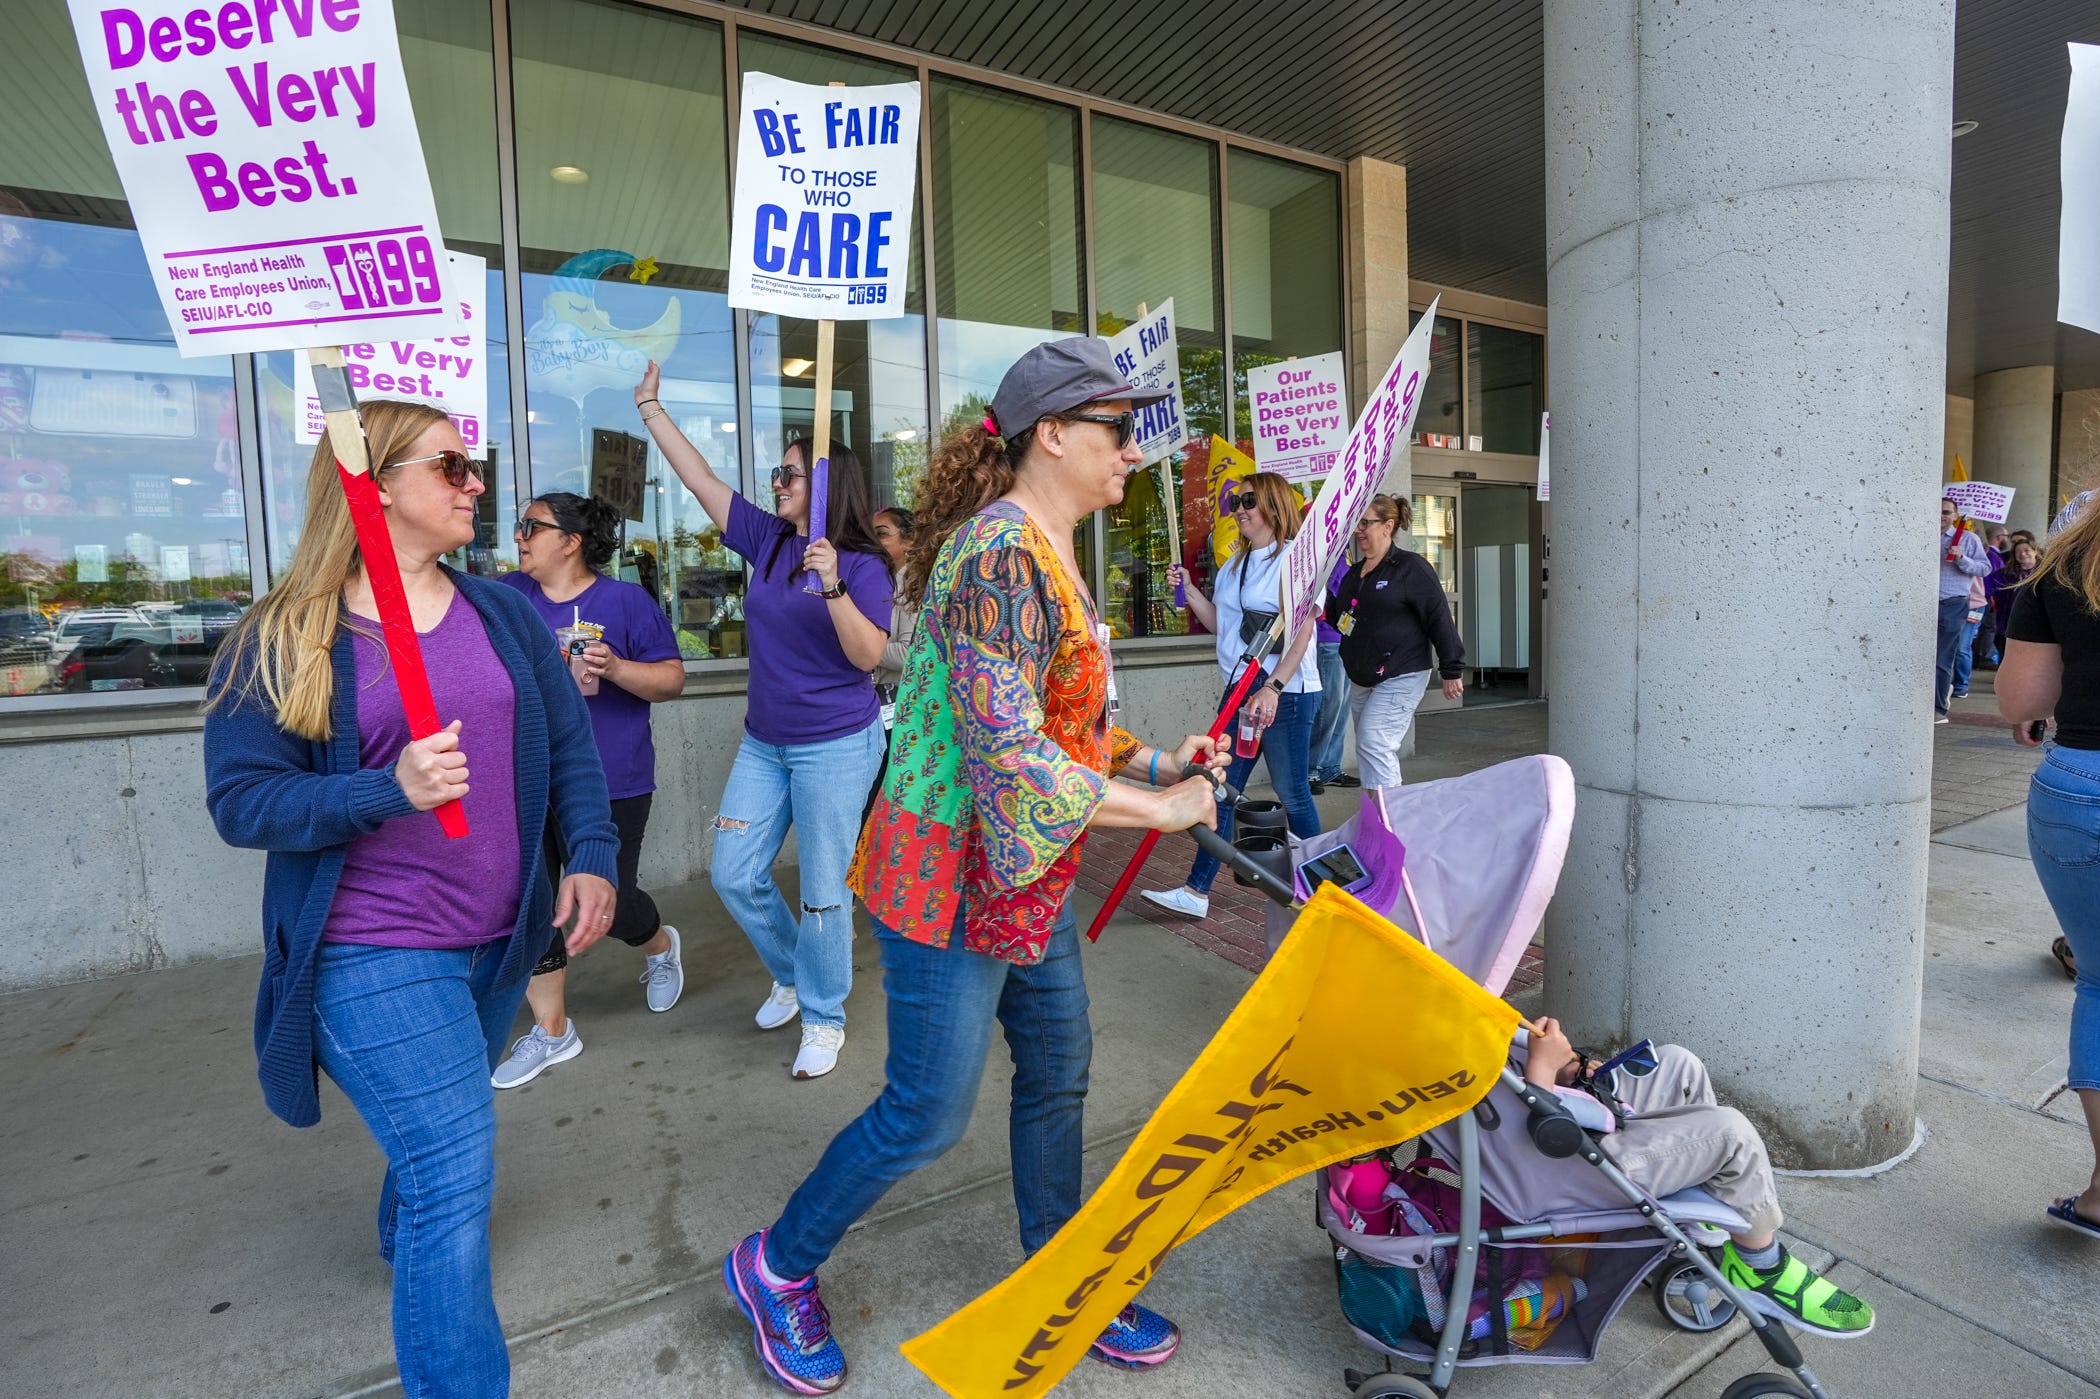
[[790, 1328], [1136, 1339]]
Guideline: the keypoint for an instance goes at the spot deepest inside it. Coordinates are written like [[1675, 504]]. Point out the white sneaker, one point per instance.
[[780, 1007], [820, 1050], [535, 1053], [1939, 718], [1182, 900], [664, 975]]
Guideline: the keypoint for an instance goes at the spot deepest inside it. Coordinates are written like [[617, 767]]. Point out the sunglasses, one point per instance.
[[780, 476], [457, 466], [527, 527], [1236, 503], [1125, 424], [1638, 1060]]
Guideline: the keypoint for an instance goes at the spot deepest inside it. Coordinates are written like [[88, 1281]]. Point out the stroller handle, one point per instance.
[[1237, 861]]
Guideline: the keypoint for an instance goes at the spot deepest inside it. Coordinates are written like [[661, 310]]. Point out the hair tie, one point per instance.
[[992, 428]]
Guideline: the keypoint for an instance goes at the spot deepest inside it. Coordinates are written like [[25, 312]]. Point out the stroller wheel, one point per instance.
[[1391, 1386], [1766, 1386], [1689, 1301]]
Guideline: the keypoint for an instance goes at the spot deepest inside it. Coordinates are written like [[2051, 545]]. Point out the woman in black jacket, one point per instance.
[[1391, 610]]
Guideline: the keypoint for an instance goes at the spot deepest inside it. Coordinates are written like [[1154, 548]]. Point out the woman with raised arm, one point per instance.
[[812, 727], [1006, 741]]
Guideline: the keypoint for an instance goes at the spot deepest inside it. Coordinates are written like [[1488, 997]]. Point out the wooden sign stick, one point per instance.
[[353, 466]]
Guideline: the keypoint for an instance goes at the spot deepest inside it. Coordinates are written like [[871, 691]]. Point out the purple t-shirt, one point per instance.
[[406, 884], [636, 630], [1323, 634], [803, 689]]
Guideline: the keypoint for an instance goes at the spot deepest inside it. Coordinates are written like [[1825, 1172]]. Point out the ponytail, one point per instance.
[[970, 469]]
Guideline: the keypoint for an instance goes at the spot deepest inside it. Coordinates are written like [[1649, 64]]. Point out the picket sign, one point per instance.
[[1388, 417], [1166, 481], [281, 217]]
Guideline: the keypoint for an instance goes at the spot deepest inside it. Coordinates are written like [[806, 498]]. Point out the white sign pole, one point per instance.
[[1545, 456]]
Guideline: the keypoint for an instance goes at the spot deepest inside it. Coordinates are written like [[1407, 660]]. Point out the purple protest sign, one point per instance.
[[819, 507], [271, 161], [1388, 417]]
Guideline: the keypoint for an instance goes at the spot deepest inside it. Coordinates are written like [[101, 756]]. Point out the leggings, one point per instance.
[[635, 919]]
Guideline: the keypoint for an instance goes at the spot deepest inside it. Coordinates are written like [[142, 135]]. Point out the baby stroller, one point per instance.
[[1526, 1249]]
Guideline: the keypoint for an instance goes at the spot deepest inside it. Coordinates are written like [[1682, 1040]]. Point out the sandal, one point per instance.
[[2065, 1212], [2061, 951]]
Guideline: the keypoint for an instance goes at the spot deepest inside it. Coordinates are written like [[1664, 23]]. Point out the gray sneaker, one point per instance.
[[535, 1052], [665, 975]]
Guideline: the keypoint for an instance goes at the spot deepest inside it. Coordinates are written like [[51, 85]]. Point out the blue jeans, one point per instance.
[[1965, 652], [410, 1036], [942, 1005], [1285, 747], [1331, 725], [1954, 614], [819, 788], [2063, 837]]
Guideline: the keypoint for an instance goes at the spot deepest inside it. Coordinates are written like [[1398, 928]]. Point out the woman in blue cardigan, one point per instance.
[[393, 958]]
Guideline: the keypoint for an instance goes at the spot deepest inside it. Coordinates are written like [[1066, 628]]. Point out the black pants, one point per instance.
[[635, 920]]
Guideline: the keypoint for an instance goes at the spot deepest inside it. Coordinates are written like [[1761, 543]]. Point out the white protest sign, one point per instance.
[[270, 157], [1301, 415], [1387, 419], [821, 227], [1545, 456], [1146, 352], [2078, 238], [449, 373], [1980, 500]]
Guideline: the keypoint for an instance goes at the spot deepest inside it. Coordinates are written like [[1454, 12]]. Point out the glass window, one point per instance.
[[1436, 537], [1006, 249], [1505, 388], [125, 555], [623, 218], [1437, 422], [1156, 236], [878, 377], [447, 53], [1286, 266]]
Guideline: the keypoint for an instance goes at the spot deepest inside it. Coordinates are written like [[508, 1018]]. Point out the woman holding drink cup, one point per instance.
[[1276, 722], [620, 649]]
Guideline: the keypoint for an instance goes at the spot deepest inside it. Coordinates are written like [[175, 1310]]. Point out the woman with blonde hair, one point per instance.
[[393, 958], [2051, 670], [1391, 611], [1281, 711], [1005, 742]]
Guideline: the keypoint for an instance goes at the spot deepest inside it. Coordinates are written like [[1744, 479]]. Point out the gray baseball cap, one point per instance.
[[1062, 377]]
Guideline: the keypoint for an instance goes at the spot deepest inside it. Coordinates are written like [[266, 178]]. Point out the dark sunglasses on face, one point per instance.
[[1243, 501], [525, 528], [781, 476], [1125, 424], [457, 466]]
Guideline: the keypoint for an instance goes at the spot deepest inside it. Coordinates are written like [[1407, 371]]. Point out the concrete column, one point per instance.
[[2016, 439], [1961, 435], [1747, 227], [2077, 444], [1374, 202]]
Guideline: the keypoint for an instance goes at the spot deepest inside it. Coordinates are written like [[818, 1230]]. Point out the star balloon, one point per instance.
[[644, 269]]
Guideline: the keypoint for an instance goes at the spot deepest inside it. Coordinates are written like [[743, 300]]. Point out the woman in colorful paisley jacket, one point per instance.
[[1004, 744]]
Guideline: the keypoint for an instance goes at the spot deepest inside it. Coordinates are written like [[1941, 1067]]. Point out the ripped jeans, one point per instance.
[[818, 787]]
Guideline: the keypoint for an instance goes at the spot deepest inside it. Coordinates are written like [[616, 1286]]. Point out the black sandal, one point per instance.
[[2061, 951]]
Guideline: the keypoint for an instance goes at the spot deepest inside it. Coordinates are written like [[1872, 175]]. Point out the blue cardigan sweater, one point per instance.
[[304, 802]]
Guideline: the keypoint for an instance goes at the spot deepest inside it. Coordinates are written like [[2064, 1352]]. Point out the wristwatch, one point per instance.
[[1276, 683], [837, 591]]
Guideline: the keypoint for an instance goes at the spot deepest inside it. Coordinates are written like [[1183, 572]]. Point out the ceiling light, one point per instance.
[[729, 428], [904, 434], [569, 174], [796, 368], [180, 481], [1963, 128]]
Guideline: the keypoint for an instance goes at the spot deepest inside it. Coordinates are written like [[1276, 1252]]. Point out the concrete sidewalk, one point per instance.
[[165, 1237]]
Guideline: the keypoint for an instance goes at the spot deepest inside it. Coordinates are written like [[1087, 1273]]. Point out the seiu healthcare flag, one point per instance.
[[821, 228], [270, 157], [1355, 1037]]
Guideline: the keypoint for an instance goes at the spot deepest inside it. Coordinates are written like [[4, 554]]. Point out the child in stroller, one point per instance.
[[1667, 1132]]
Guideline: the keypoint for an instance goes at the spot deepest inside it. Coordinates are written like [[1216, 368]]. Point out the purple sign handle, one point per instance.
[[1181, 591], [819, 502]]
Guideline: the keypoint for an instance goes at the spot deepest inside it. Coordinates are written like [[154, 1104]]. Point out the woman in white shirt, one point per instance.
[[1285, 706]]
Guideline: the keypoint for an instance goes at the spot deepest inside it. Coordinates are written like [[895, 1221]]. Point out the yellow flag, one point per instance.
[[1227, 464], [1354, 1037], [1961, 473]]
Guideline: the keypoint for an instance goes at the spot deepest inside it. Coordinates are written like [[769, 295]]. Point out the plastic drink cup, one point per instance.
[[1247, 742], [573, 640]]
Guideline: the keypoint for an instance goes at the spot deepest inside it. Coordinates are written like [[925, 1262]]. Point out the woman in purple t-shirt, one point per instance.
[[812, 728], [564, 544]]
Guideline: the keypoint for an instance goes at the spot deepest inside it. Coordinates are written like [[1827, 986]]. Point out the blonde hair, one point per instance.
[[282, 649], [1278, 504]]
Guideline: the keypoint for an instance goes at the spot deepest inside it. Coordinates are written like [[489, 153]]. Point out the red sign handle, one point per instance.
[[403, 650], [1233, 701]]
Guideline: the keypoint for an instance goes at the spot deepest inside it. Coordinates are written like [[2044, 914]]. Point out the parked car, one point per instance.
[[76, 626], [23, 630], [150, 653]]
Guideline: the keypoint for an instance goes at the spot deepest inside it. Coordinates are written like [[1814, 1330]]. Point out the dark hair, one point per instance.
[[595, 521], [847, 524], [903, 517]]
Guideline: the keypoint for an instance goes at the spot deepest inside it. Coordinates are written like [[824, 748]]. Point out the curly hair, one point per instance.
[[595, 522], [970, 469]]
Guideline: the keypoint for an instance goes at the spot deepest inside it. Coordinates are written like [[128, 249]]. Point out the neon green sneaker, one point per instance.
[[1793, 1293]]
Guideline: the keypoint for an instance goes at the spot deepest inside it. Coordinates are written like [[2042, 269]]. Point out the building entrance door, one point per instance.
[[1483, 540]]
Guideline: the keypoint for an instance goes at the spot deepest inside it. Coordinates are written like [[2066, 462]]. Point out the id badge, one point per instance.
[[1347, 624], [1108, 666], [888, 695]]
